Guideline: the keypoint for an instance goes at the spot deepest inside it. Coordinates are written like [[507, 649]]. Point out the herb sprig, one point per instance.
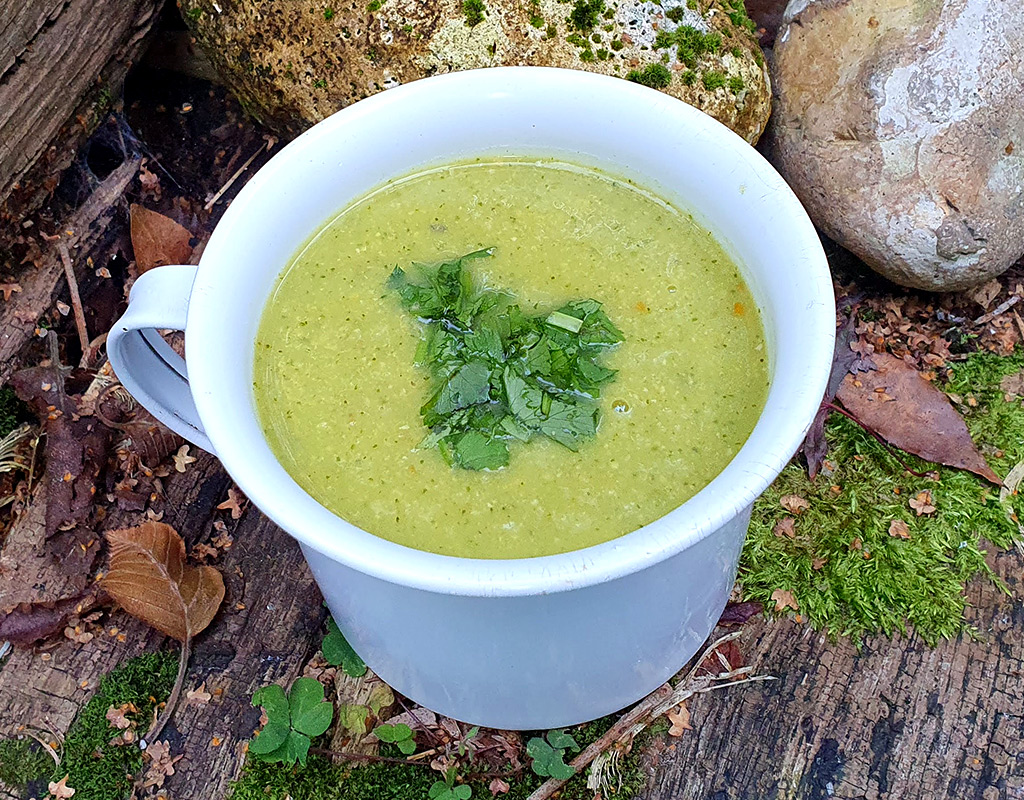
[[499, 374]]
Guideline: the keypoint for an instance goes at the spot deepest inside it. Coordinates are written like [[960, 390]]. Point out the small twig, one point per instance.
[[76, 300], [158, 726], [1002, 308], [867, 429], [91, 351], [267, 145], [653, 706], [45, 744]]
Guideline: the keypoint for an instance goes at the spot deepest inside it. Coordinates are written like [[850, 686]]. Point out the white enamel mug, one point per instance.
[[528, 643]]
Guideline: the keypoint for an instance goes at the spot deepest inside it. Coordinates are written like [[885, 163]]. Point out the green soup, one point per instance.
[[339, 395]]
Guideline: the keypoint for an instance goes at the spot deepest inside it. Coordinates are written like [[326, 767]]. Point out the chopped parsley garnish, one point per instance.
[[499, 374]]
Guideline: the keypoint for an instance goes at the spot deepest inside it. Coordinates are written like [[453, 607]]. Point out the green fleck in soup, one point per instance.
[[343, 389]]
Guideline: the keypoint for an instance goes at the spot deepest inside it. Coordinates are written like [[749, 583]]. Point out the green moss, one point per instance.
[[194, 13], [374, 5], [691, 4], [617, 44], [576, 39], [688, 77], [736, 52], [587, 56], [97, 770], [474, 11], [713, 79], [737, 14], [328, 14], [758, 57], [536, 20], [321, 780], [656, 76], [320, 83], [13, 412], [602, 55], [551, 32], [676, 14], [24, 764], [736, 83], [692, 43], [886, 583], [585, 14]]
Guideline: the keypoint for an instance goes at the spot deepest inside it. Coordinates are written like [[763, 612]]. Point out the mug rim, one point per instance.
[[727, 495]]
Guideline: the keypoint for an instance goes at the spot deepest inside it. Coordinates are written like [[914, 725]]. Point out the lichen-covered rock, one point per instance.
[[294, 62], [900, 125]]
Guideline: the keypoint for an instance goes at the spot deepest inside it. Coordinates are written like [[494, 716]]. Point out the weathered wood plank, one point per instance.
[[897, 720]]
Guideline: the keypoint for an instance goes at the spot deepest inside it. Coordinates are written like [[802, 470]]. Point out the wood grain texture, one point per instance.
[[897, 720], [57, 58], [265, 632]]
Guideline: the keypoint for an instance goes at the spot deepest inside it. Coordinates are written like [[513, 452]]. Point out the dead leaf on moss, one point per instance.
[[149, 578], [157, 240], [899, 529], [784, 599], [922, 503], [116, 716], [921, 420], [785, 528], [498, 786], [680, 719], [1012, 386], [60, 790], [794, 503], [818, 563]]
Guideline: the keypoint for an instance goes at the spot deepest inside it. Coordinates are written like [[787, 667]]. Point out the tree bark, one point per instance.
[[896, 720], [62, 62]]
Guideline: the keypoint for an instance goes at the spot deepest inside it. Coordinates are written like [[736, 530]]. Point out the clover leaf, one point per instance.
[[339, 653], [549, 756], [442, 791], [292, 721], [399, 735]]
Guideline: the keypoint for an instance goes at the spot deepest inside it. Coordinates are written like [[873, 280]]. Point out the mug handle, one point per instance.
[[150, 370]]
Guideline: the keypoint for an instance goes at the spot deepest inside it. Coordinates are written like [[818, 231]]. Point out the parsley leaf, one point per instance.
[[500, 375]]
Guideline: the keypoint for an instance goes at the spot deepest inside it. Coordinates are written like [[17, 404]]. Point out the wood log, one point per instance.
[[896, 720], [62, 64]]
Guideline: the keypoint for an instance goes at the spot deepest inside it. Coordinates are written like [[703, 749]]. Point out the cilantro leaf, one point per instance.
[[498, 374]]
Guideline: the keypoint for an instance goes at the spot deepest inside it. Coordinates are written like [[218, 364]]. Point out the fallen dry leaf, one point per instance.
[[785, 527], [498, 786], [116, 716], [680, 719], [818, 563], [233, 503], [161, 765], [182, 459], [199, 695], [29, 622], [8, 289], [157, 240], [922, 503], [784, 599], [149, 578], [899, 529], [1013, 385], [985, 294], [921, 421], [60, 790], [738, 613], [794, 503]]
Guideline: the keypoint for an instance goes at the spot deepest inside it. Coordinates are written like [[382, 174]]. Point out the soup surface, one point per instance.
[[339, 394]]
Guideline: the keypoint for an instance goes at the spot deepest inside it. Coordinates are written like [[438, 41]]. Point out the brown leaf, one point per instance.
[[157, 240], [60, 790], [149, 578], [736, 614], [922, 503], [498, 786], [182, 459], [899, 529], [785, 528], [726, 653], [921, 421], [199, 695], [818, 563], [161, 765], [116, 716], [29, 622], [233, 503], [985, 294], [1013, 384], [784, 599], [680, 719], [794, 503], [7, 289]]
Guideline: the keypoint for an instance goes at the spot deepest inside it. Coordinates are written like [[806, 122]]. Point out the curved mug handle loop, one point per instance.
[[150, 370]]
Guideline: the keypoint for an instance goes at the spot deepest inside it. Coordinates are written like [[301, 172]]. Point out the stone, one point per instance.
[[900, 125], [294, 62]]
